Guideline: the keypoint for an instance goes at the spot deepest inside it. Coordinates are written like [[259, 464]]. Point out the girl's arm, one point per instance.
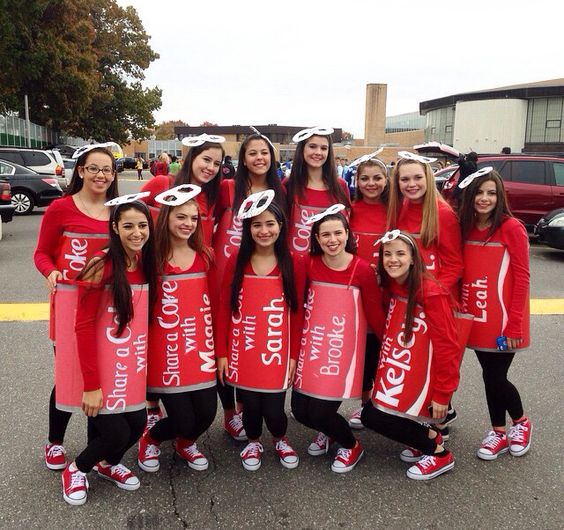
[[371, 295], [450, 250], [48, 243]]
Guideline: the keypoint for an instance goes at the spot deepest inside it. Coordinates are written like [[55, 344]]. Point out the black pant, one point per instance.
[[263, 405], [189, 414], [403, 430], [371, 356], [322, 415], [58, 421], [501, 394], [139, 174], [115, 434]]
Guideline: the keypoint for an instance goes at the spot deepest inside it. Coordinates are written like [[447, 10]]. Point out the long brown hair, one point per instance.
[[196, 241], [77, 182], [467, 209]]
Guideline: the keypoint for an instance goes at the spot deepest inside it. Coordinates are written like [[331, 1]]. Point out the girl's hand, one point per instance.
[[222, 369], [291, 372], [52, 280], [512, 344], [92, 402], [439, 411]]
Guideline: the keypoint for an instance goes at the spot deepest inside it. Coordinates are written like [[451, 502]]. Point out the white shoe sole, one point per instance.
[[317, 452], [75, 502], [356, 425], [348, 468], [149, 469], [290, 465], [56, 467], [416, 476], [126, 487], [524, 450], [488, 457], [409, 459], [251, 467], [197, 467]]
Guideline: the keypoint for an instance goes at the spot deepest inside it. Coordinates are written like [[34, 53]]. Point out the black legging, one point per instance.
[[501, 394], [321, 415], [115, 434], [59, 420], [226, 395], [263, 405], [189, 414], [403, 430], [371, 356]]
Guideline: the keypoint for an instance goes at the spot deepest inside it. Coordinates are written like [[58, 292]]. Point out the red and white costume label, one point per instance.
[[300, 232], [402, 385], [331, 361], [76, 250], [429, 255], [365, 246], [227, 239], [487, 284], [181, 346], [122, 361], [258, 351]]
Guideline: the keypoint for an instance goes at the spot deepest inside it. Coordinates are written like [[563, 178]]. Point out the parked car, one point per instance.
[[29, 189], [550, 229], [69, 164], [128, 162], [442, 175], [42, 161], [6, 207]]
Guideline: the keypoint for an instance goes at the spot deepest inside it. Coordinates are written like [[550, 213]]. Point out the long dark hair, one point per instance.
[[374, 162], [417, 272], [297, 181], [195, 242], [242, 179], [467, 211], [283, 257], [77, 182], [314, 246], [121, 289], [184, 175]]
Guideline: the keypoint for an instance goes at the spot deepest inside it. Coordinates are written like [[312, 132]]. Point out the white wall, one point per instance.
[[488, 126]]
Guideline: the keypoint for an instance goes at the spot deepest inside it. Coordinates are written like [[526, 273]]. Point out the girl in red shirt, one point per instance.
[[313, 184], [72, 230], [342, 287], [129, 260], [368, 224], [184, 383], [496, 290], [256, 172], [259, 329], [405, 384]]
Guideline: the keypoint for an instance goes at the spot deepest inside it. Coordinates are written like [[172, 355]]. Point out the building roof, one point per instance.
[[539, 89]]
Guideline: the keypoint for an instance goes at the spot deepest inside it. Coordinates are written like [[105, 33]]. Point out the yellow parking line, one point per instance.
[[11, 312]]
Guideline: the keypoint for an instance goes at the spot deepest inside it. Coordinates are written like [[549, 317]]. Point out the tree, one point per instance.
[[208, 124], [346, 136], [81, 62], [165, 130]]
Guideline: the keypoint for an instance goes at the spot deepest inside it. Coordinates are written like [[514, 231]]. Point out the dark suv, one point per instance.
[[534, 183]]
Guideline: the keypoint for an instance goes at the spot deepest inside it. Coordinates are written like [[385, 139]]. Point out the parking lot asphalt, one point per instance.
[[510, 492]]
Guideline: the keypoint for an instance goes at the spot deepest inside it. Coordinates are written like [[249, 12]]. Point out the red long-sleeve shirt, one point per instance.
[[155, 186], [369, 218], [514, 236], [359, 274], [445, 366], [223, 320], [89, 300], [318, 198], [448, 245], [62, 216]]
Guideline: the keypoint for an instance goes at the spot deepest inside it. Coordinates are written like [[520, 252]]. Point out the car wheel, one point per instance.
[[23, 202]]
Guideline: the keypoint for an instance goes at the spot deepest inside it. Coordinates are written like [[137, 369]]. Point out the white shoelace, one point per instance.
[[78, 480], [120, 470], [152, 419], [427, 461], [252, 450], [192, 450], [344, 453], [492, 439], [56, 450], [356, 414], [282, 445], [236, 422], [320, 439], [517, 432], [152, 450]]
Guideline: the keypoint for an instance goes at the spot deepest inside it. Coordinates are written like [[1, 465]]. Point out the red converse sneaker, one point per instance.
[[75, 486], [188, 451], [431, 466], [346, 459], [493, 445], [410, 454], [251, 456], [152, 419], [288, 457], [234, 427], [520, 438], [354, 420], [121, 476], [55, 456], [148, 454], [319, 445]]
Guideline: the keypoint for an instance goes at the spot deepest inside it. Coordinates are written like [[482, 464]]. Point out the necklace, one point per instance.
[[88, 211]]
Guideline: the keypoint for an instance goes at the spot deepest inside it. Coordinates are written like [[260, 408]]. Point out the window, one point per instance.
[[558, 173], [553, 124], [34, 158], [6, 169], [527, 171], [448, 128], [12, 157]]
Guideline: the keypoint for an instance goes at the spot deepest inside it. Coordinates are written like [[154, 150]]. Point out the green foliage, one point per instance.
[[165, 130], [81, 63]]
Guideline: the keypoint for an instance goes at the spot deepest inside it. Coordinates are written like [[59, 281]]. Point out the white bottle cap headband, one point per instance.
[[85, 148], [393, 235], [470, 178], [304, 134], [195, 141], [178, 195], [265, 138], [124, 199], [335, 208], [366, 158], [406, 155], [255, 204]]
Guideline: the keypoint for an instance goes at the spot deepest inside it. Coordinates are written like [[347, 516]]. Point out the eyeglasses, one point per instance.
[[94, 170]]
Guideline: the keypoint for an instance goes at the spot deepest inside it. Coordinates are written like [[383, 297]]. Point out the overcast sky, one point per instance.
[[308, 62]]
